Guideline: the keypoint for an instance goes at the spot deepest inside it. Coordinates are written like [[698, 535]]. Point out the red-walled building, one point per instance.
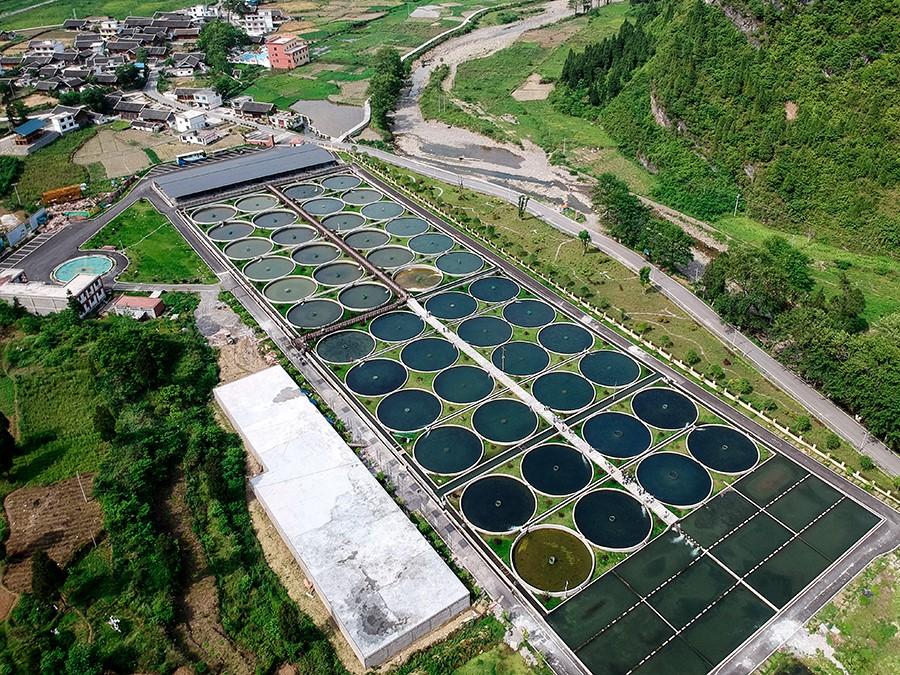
[[286, 52]]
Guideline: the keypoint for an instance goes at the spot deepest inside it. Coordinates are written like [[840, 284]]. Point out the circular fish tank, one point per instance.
[[674, 479], [613, 520], [316, 254], [312, 314], [343, 222], [245, 249], [617, 435], [609, 369], [365, 296], [463, 384], [304, 191], [552, 560], [260, 202], [565, 338], [366, 239], [494, 289], [485, 331], [397, 327], [429, 354], [338, 274], [341, 182], [418, 278], [408, 410], [376, 377], [230, 231], [382, 210], [448, 450], [520, 358], [345, 346], [563, 392], [556, 470], [361, 197], [290, 289], [453, 305], [504, 421], [214, 214], [431, 243], [322, 206], [266, 269], [293, 236], [459, 263], [272, 220], [86, 264], [722, 448], [390, 257], [498, 504], [408, 226], [529, 313], [664, 408]]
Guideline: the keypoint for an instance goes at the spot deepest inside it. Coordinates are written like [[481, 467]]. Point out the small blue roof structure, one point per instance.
[[29, 127]]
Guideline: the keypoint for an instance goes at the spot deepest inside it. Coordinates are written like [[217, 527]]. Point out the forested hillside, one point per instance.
[[793, 105]]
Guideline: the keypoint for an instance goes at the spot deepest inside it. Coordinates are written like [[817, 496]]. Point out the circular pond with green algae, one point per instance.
[[520, 358], [312, 314], [609, 369], [214, 214], [431, 243], [563, 391], [565, 338], [459, 263], [674, 479], [617, 435], [272, 220], [260, 202], [390, 257], [245, 249], [343, 222], [407, 226], [664, 408], [294, 236], [338, 274], [322, 206], [722, 448], [494, 289], [408, 410], [341, 182], [271, 267], [416, 278], [85, 264], [556, 469], [612, 519], [364, 296], [304, 191], [552, 559], [361, 196], [290, 289], [498, 504], [504, 421], [529, 313], [451, 306], [230, 231], [376, 377], [345, 346], [365, 239], [429, 354], [382, 210], [316, 254], [485, 331], [397, 326], [448, 450], [463, 384]]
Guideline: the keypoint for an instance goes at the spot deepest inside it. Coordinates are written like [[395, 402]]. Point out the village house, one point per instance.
[[205, 99], [286, 52]]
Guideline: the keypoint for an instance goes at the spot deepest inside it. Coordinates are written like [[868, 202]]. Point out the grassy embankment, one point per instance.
[[156, 251]]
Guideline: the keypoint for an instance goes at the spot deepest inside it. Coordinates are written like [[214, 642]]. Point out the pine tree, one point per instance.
[[46, 577]]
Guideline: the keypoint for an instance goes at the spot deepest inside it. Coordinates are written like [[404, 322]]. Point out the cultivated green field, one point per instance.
[[60, 10]]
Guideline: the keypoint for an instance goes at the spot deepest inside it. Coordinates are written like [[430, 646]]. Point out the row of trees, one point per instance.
[[385, 86]]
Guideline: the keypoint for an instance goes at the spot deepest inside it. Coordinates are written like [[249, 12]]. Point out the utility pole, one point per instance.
[[737, 198], [16, 189]]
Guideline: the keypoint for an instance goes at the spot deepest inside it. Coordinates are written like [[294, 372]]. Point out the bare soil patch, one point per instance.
[[352, 92], [53, 518], [553, 35], [533, 89]]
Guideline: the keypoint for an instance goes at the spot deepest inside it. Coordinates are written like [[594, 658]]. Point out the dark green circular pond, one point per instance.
[[463, 384], [431, 243], [556, 470], [304, 191], [676, 480], [293, 236], [290, 289], [448, 450], [664, 408], [429, 354], [230, 231], [366, 239], [338, 274], [529, 313], [382, 210], [498, 504], [617, 435], [362, 297], [272, 220], [342, 182], [494, 289], [520, 358], [345, 346], [484, 331], [452, 305], [459, 263], [408, 226], [376, 377], [504, 421], [612, 519], [323, 206], [565, 338], [563, 392], [342, 222], [316, 254], [313, 314], [245, 249], [609, 369], [409, 410], [361, 197], [390, 257], [551, 559], [722, 448], [213, 214], [266, 269], [397, 326], [256, 203]]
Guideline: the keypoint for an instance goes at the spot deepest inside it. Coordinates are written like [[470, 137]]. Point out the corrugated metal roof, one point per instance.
[[29, 127]]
